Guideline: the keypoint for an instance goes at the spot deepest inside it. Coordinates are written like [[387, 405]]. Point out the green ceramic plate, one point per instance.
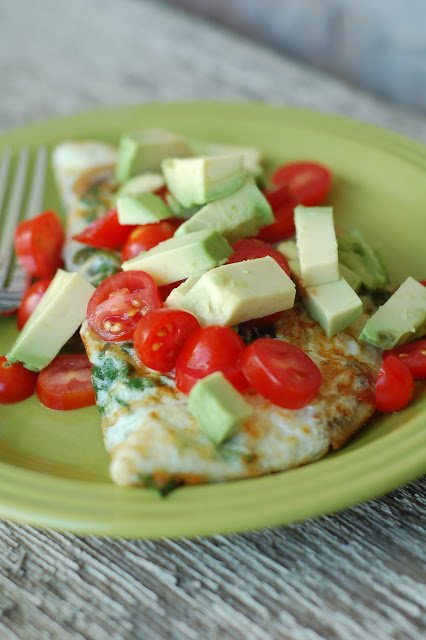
[[53, 468]]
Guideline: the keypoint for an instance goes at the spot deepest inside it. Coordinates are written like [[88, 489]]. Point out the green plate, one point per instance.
[[53, 468]]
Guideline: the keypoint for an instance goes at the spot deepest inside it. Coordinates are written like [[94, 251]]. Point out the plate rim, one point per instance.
[[23, 497]]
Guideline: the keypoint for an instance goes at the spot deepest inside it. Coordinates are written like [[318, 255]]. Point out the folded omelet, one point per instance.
[[148, 431]]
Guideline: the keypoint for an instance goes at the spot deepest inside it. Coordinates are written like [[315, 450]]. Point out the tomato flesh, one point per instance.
[[105, 232], [16, 382], [147, 236], [38, 244], [394, 386], [31, 298], [413, 355], [159, 337], [251, 248], [119, 302], [281, 372], [309, 182], [207, 350], [282, 202], [66, 383]]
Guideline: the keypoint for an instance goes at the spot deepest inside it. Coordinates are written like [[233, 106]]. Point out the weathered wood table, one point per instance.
[[356, 575]]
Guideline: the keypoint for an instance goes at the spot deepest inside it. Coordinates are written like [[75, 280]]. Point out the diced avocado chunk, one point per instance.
[[177, 258], [177, 210], [55, 319], [352, 278], [218, 407], [289, 250], [400, 319], [200, 180], [239, 215], [252, 157], [237, 292], [142, 208], [357, 255], [334, 305], [141, 184], [145, 150], [316, 245]]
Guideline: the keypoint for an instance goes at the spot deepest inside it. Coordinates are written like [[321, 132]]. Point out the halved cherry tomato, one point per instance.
[[66, 383], [118, 303], [281, 372], [38, 244], [207, 350], [282, 202], [394, 386], [105, 232], [310, 182], [413, 355], [16, 382], [159, 337], [31, 298], [251, 248], [147, 236]]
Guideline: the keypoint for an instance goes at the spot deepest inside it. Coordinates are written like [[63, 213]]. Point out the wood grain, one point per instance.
[[353, 576]]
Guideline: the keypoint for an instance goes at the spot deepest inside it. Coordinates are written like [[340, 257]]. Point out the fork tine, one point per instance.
[[12, 215], [4, 170], [35, 199]]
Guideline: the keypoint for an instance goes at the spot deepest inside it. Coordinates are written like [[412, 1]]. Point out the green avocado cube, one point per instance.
[[180, 257], [316, 245], [145, 150], [142, 208], [237, 292], [252, 157], [400, 319], [334, 305], [366, 262], [141, 184], [55, 319], [200, 180], [239, 215], [218, 407], [352, 277]]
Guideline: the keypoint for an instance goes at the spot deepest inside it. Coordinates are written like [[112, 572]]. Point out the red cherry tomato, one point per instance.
[[281, 372], [423, 282], [105, 232], [413, 355], [118, 303], [207, 350], [66, 383], [250, 248], [159, 337], [394, 386], [16, 382], [32, 297], [310, 182], [147, 236], [282, 202], [38, 244]]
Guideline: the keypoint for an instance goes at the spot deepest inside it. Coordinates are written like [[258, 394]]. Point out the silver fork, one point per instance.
[[13, 279]]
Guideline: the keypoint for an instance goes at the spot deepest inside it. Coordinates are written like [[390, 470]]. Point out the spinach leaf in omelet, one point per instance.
[[97, 264]]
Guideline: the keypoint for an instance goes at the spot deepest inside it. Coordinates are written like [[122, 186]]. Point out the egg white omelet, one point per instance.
[[148, 431]]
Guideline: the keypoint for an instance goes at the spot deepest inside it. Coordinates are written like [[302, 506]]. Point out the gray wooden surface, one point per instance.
[[352, 576]]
